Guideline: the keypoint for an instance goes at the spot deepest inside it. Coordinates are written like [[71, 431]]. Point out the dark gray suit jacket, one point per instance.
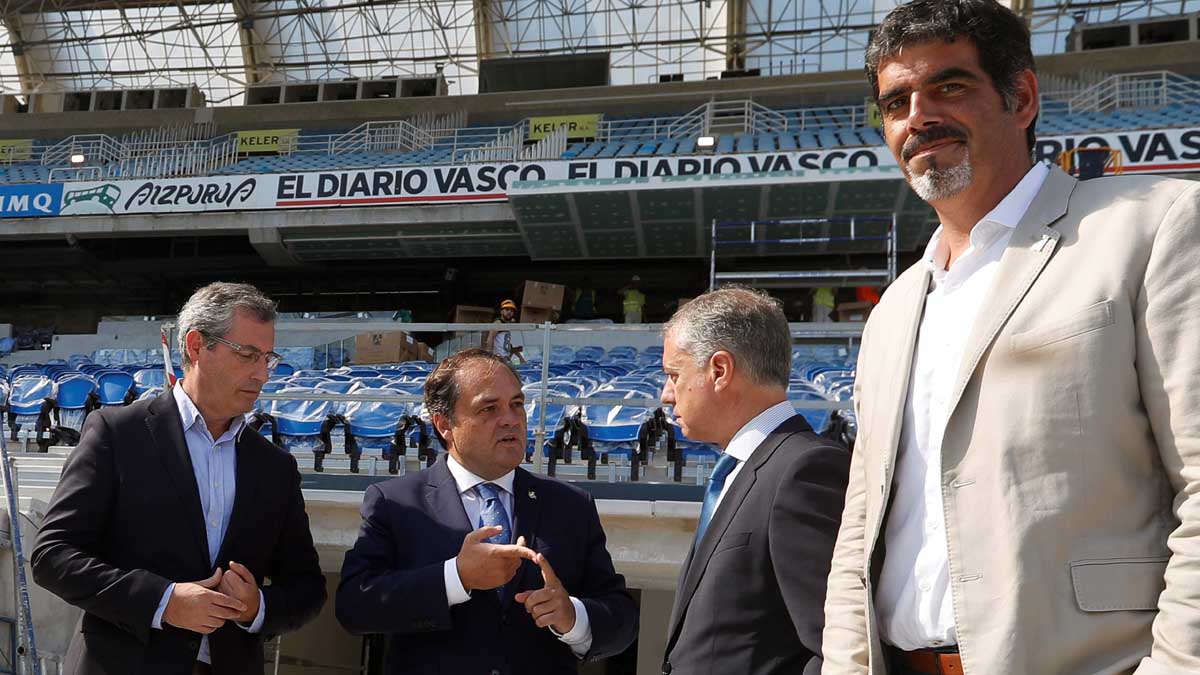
[[126, 521], [751, 595]]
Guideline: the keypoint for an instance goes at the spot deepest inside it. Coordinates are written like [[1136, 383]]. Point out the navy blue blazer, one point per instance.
[[392, 579]]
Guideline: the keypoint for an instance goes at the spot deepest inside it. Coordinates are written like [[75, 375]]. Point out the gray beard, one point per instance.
[[942, 183]]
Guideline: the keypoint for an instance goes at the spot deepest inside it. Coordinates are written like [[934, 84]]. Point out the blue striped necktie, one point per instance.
[[493, 513], [716, 482]]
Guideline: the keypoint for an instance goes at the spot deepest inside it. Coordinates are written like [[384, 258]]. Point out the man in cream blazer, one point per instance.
[[1024, 496]]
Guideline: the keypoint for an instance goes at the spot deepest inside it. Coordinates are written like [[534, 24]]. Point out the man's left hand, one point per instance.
[[238, 582], [551, 606]]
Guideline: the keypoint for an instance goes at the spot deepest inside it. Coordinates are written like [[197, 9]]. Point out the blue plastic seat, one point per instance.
[[71, 400], [30, 400], [113, 387], [145, 378], [374, 423], [298, 422]]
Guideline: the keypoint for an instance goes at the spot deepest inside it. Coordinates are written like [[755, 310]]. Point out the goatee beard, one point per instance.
[[942, 183]]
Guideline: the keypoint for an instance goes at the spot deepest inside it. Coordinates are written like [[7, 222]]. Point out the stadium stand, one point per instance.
[[382, 408], [1171, 100]]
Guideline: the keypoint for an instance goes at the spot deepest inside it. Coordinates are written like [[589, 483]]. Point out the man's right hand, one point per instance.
[[485, 566], [196, 607]]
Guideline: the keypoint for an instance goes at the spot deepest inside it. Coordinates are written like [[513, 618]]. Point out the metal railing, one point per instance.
[[1153, 89], [186, 151]]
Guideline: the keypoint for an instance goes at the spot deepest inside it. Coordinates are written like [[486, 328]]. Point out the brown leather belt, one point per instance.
[[929, 662]]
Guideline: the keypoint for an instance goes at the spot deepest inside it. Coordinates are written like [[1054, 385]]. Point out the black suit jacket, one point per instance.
[[126, 521], [751, 595], [392, 580]]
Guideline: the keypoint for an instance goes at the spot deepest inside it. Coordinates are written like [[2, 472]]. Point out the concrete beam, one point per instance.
[[224, 223], [269, 245]]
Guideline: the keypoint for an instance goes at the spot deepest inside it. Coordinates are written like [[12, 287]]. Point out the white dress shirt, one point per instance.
[[579, 638], [749, 437], [214, 463], [914, 595]]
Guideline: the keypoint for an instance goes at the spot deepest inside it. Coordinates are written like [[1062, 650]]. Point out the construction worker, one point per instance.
[[500, 341], [633, 300], [823, 302]]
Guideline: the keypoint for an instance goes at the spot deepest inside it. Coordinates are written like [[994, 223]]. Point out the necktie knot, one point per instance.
[[488, 491]]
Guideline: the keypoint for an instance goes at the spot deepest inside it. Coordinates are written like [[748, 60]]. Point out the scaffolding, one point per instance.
[[758, 239]]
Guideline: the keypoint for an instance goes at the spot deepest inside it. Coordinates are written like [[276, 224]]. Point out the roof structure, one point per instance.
[[221, 47]]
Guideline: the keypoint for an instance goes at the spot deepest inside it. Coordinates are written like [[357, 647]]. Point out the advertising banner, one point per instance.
[[1151, 151], [267, 140], [578, 126], [30, 200]]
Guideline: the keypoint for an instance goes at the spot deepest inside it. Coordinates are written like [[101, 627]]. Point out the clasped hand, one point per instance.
[[204, 606]]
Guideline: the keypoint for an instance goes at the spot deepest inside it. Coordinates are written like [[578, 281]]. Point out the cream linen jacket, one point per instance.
[[1071, 459]]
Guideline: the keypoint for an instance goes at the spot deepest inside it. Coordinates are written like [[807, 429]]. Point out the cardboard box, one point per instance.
[[541, 295], [419, 351], [473, 314], [535, 314], [854, 311], [383, 347]]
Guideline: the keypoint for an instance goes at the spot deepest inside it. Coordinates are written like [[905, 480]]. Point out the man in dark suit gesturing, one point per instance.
[[170, 513], [751, 594], [475, 565]]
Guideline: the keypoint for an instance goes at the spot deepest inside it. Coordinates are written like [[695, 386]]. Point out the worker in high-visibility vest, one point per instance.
[[823, 302], [633, 300]]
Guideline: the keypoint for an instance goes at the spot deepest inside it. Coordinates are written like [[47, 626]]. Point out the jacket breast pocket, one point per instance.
[[1090, 318], [731, 541], [1119, 583]]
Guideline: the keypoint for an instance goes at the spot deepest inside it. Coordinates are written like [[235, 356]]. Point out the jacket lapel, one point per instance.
[[245, 485], [166, 428], [445, 503], [892, 376], [527, 515], [697, 562], [1031, 246]]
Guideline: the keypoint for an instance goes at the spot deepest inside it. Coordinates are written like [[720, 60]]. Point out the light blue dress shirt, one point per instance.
[[215, 466]]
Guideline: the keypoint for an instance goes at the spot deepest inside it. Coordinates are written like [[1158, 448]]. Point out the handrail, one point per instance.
[[1149, 89]]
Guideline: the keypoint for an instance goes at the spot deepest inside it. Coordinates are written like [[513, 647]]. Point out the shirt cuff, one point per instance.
[[156, 622], [455, 593], [579, 638], [256, 625]]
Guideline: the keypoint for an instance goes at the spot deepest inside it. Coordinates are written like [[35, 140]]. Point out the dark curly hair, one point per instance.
[[1000, 37]]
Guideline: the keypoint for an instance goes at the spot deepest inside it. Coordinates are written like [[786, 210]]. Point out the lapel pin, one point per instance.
[[1040, 245], [532, 494]]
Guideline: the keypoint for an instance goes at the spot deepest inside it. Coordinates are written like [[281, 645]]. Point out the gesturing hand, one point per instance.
[[550, 605], [239, 583], [483, 566], [197, 607]]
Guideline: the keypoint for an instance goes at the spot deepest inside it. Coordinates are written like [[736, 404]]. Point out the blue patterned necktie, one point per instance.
[[716, 481], [493, 513]]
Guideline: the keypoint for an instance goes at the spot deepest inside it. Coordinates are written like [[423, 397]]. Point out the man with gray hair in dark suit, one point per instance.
[[752, 591]]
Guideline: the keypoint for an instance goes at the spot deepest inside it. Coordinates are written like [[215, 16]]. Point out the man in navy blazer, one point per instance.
[[475, 565]]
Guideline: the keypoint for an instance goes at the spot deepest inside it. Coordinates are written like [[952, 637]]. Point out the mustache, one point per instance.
[[921, 139]]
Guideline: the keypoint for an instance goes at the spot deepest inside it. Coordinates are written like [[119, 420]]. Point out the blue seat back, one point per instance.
[[28, 392]]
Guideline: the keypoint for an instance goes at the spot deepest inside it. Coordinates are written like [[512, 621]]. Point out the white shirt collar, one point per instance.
[[190, 415], [750, 436], [999, 221], [467, 480]]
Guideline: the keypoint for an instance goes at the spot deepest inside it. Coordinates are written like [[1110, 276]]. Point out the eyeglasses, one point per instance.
[[248, 354]]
